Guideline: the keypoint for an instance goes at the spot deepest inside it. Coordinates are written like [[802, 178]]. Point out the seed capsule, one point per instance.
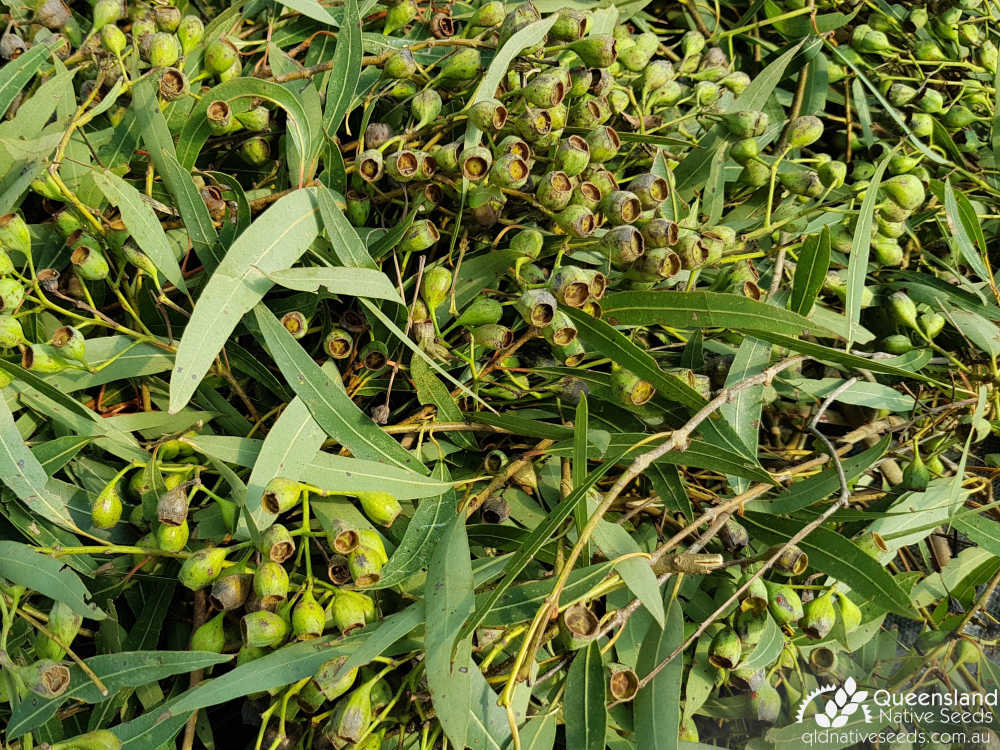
[[231, 591], [380, 507], [554, 190], [172, 538], [572, 155], [351, 610], [190, 32], [308, 618], [211, 636], [623, 245], [263, 629], [604, 144], [747, 124], [725, 650], [202, 568], [276, 543], [281, 495], [630, 389], [792, 562], [577, 626], [621, 207], [577, 221], [537, 307], [570, 285], [765, 703], [818, 617], [42, 358], [493, 336], [560, 331], [365, 565], [784, 603], [400, 64], [399, 15], [45, 677], [599, 51], [804, 131]]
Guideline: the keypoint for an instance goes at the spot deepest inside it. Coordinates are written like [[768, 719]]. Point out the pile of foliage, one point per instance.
[[494, 375]]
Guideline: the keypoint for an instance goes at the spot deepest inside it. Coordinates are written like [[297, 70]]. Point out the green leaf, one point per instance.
[[874, 395], [16, 73], [329, 405], [586, 693], [860, 102], [657, 705], [581, 428], [981, 530], [957, 225], [977, 329], [702, 310], [20, 564], [22, 472], [538, 733], [343, 82], [861, 248], [743, 412], [326, 470], [311, 9], [356, 282], [814, 262], [347, 246], [432, 391], [838, 557], [448, 601], [614, 541], [142, 224], [422, 536], [119, 670], [273, 242], [598, 336], [768, 648]]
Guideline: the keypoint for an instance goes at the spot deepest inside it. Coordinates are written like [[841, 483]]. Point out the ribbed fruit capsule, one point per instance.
[[351, 610], [308, 618], [537, 307], [380, 507], [211, 636], [281, 495], [202, 568], [263, 629]]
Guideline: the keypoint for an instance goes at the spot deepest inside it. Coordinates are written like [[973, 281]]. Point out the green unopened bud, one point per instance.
[[747, 124], [11, 333], [916, 475], [270, 583], [45, 677], [161, 49], [107, 508], [167, 17], [398, 15], [832, 173], [554, 190], [14, 235], [351, 716], [784, 603], [400, 64], [255, 151], [202, 568], [6, 264], [987, 55], [850, 613], [113, 39], [105, 12], [174, 537], [578, 221], [905, 190], [190, 32], [537, 307], [904, 309], [804, 131], [931, 323], [656, 74], [41, 358], [488, 15], [725, 651], [765, 703], [421, 235], [435, 286], [380, 507], [351, 610], [572, 156], [263, 629], [64, 624], [425, 107], [493, 336], [281, 495], [100, 739], [630, 389], [737, 81], [604, 144], [255, 119], [482, 311], [461, 66], [692, 43], [802, 182], [220, 54], [897, 343], [959, 116], [308, 618], [211, 636], [818, 617], [886, 251], [331, 681], [599, 51], [230, 591]]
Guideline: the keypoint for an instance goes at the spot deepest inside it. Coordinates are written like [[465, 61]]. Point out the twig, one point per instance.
[[197, 621], [501, 479], [65, 647], [845, 494]]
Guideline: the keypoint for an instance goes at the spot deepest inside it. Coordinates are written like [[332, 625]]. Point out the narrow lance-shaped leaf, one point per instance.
[[586, 693], [346, 69], [22, 565], [814, 262]]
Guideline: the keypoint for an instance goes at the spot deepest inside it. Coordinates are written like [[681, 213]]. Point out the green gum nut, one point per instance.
[[599, 51], [281, 495], [113, 40], [667, 95], [629, 389], [400, 64], [172, 538], [570, 285], [462, 66], [659, 263], [747, 123], [380, 507], [351, 610], [11, 295], [11, 333], [931, 323], [190, 32], [554, 190], [928, 50], [916, 19], [737, 81], [488, 15], [509, 171], [105, 12], [569, 26], [823, 660], [211, 636], [370, 165], [572, 155], [489, 115], [220, 117], [255, 151], [401, 90], [792, 562], [69, 343], [802, 182], [399, 15], [6, 264], [693, 253], [987, 55], [493, 336], [903, 309], [161, 49], [167, 18], [560, 331], [40, 358], [351, 716], [308, 618], [545, 90], [888, 228], [755, 174], [369, 538], [650, 189], [45, 677], [338, 343], [804, 131], [532, 273], [570, 355], [586, 194], [202, 568], [365, 565], [263, 629], [220, 55], [587, 112], [688, 730], [603, 143], [270, 583], [434, 287], [832, 173], [818, 617], [692, 43], [425, 107], [725, 651], [623, 245], [903, 163], [402, 166], [276, 543], [482, 311], [959, 116], [905, 190], [784, 603], [755, 598], [621, 207], [706, 93], [332, 681], [747, 679], [578, 626], [14, 235], [916, 475], [659, 233], [577, 221], [532, 124], [765, 703], [255, 119], [230, 591], [90, 262], [537, 307], [899, 94], [64, 624], [107, 508], [527, 242], [295, 323], [850, 613], [898, 343], [930, 102]]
